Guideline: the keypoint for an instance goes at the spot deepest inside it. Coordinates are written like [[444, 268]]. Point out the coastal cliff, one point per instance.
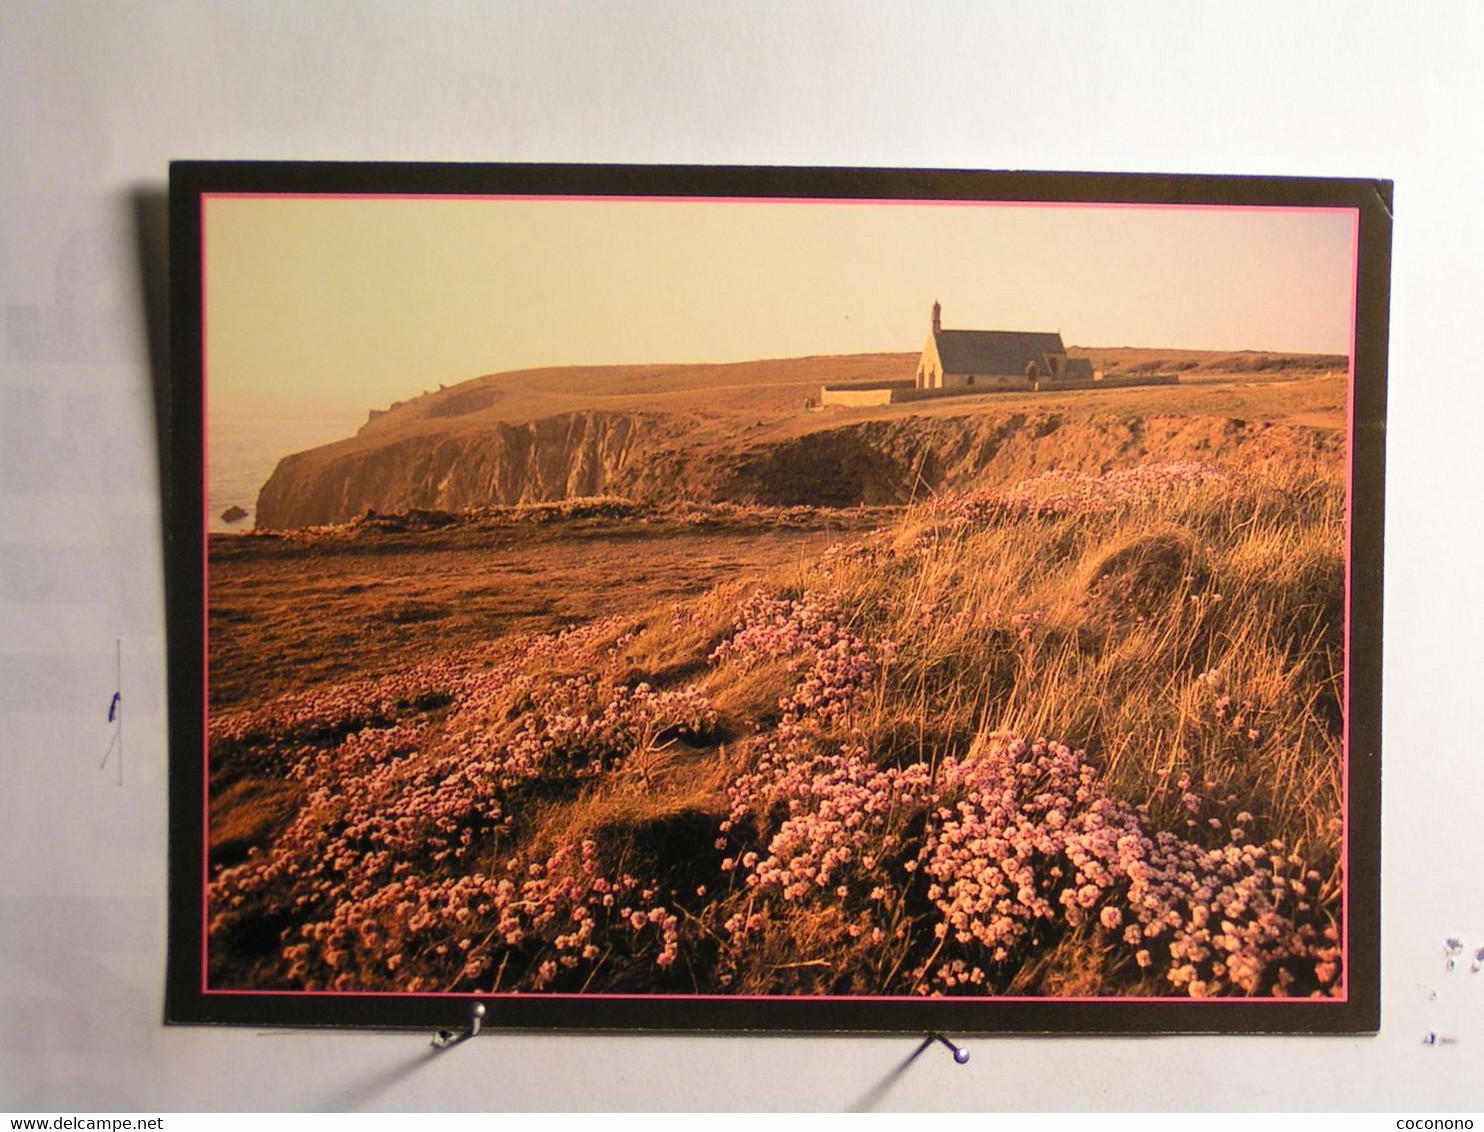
[[656, 458]]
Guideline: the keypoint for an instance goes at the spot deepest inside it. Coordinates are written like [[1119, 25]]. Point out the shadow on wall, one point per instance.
[[149, 207]]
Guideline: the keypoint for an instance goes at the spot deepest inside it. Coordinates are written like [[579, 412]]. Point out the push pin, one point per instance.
[[116, 711], [445, 1038], [960, 1054]]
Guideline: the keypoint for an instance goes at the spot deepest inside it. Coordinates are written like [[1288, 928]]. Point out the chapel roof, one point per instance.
[[995, 351]]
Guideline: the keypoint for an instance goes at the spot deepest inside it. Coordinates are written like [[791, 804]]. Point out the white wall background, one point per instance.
[[96, 98]]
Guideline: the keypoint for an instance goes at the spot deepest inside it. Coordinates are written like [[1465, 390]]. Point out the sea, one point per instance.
[[242, 452]]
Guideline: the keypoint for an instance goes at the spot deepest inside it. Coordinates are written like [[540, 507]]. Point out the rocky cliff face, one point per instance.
[[574, 454], [655, 458]]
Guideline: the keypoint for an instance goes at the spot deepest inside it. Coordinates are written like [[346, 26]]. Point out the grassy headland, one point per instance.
[[1079, 733]]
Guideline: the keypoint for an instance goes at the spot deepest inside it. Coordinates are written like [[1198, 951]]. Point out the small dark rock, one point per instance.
[[234, 514]]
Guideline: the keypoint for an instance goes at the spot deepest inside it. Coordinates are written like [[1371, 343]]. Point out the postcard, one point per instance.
[[775, 599]]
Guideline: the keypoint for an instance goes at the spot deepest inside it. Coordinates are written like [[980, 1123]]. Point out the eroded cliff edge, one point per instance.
[[659, 458]]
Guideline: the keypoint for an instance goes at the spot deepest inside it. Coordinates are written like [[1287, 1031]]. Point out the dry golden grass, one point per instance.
[[1119, 614]]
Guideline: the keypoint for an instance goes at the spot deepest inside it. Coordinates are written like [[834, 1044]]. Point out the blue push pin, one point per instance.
[[960, 1054]]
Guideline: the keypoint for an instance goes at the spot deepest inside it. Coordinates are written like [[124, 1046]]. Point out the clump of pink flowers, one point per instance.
[[1012, 845], [1034, 843], [838, 666], [380, 870]]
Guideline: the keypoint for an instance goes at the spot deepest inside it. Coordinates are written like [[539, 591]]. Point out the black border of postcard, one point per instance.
[[186, 1002]]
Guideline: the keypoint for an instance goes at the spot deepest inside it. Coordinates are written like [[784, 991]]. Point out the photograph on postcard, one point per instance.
[[759, 597]]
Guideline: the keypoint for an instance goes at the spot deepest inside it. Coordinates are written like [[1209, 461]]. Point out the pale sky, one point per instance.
[[339, 305]]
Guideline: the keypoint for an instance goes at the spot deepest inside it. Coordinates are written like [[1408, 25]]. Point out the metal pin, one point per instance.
[[960, 1054], [116, 711], [445, 1038]]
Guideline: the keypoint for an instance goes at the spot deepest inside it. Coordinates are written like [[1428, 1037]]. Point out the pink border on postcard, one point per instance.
[[1348, 925]]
